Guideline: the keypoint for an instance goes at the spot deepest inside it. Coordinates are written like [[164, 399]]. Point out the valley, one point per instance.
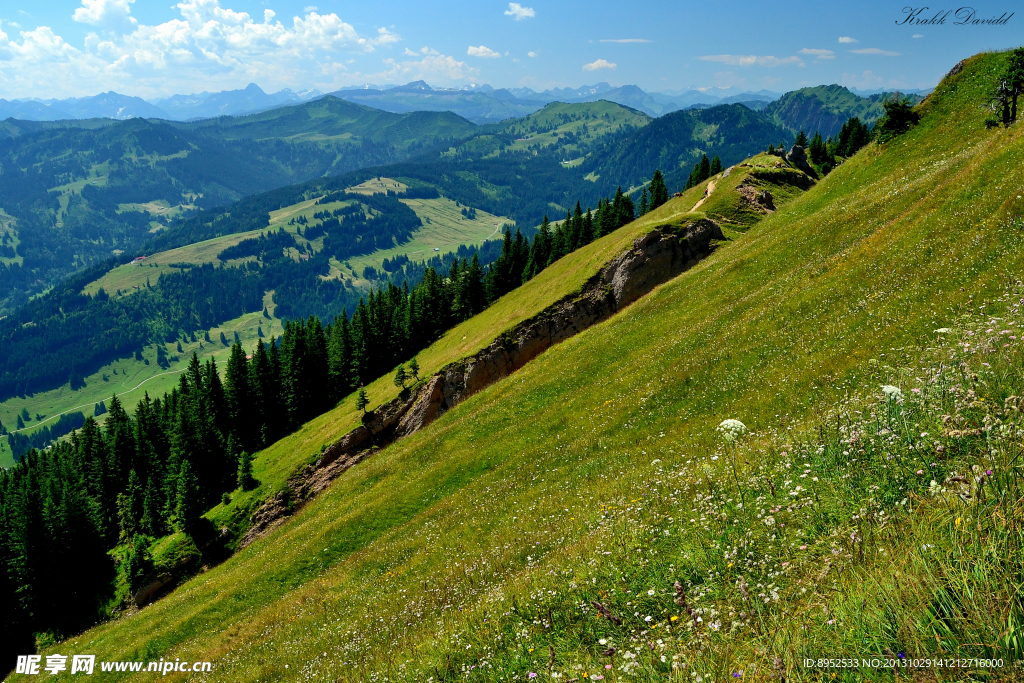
[[584, 394]]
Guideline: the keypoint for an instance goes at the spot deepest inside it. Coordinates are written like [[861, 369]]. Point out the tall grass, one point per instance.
[[541, 527]]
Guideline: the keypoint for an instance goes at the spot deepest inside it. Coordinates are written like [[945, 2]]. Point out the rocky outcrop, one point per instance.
[[653, 259], [798, 157]]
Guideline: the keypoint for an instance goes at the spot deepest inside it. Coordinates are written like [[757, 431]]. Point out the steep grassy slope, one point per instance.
[[474, 548]]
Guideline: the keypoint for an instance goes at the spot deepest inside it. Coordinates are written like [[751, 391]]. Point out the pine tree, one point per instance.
[[716, 165], [659, 191], [645, 204], [362, 401], [245, 480], [186, 505], [414, 365], [129, 507], [801, 139]]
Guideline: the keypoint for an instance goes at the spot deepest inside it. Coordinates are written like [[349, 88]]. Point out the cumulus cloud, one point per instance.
[[752, 60], [625, 40], [207, 44], [531, 53], [431, 68], [875, 51], [818, 54], [108, 14], [518, 12], [599, 64], [482, 51], [847, 39]]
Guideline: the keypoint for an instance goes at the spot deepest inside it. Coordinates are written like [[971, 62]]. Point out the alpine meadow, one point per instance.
[[368, 383]]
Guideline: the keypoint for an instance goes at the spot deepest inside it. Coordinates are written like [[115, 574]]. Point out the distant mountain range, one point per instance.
[[112, 105], [478, 103]]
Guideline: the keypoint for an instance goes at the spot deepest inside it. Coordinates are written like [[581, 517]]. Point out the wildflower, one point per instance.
[[943, 330], [803, 547], [920, 471], [650, 592], [892, 393], [531, 675], [731, 430]]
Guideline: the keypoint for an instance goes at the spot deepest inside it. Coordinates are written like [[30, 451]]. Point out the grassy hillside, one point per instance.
[[99, 190], [486, 546]]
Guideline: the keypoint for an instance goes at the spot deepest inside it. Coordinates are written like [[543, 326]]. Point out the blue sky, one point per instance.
[[64, 48]]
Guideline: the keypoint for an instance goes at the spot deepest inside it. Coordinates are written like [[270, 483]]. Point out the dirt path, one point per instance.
[[707, 193]]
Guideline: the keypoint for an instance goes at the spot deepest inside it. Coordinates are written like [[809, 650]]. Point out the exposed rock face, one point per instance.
[[798, 157], [653, 259]]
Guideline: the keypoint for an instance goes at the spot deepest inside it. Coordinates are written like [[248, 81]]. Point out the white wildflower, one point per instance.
[[731, 430], [892, 393]]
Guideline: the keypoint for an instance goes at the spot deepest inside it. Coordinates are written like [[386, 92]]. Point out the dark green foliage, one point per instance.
[[186, 502], [362, 401], [223, 339], [21, 443], [852, 136], [716, 165], [899, 118], [801, 139], [134, 563], [99, 409], [659, 191], [267, 246], [1008, 88], [701, 172], [245, 479]]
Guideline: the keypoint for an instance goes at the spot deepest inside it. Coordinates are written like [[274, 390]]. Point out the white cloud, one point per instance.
[[917, 35], [818, 54], [518, 12], [752, 60], [847, 39], [875, 51], [208, 44], [482, 51], [432, 67], [625, 40], [531, 53], [109, 14], [385, 37], [599, 64], [309, 8]]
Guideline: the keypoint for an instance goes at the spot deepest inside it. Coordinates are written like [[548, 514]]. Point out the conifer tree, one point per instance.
[[801, 139], [245, 480], [186, 506], [716, 165], [659, 191], [644, 205], [129, 507], [414, 367], [362, 401]]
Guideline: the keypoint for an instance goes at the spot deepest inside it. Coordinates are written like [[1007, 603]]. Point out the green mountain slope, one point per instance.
[[489, 545], [825, 108], [83, 192], [674, 142]]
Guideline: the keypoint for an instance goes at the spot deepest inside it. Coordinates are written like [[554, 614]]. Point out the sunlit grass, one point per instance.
[[473, 549]]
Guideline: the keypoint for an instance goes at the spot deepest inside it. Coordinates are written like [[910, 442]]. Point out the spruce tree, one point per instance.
[[659, 191], [645, 204], [801, 139], [186, 505], [362, 401], [414, 364], [716, 165], [245, 480]]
